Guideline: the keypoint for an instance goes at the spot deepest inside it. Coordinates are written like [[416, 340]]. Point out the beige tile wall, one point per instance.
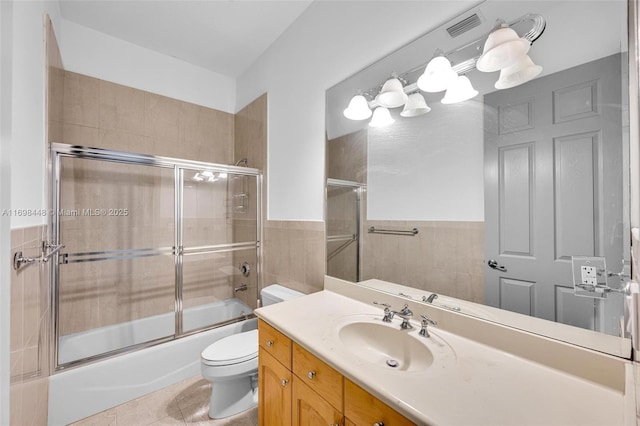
[[29, 332], [294, 253], [347, 157], [444, 257], [102, 114]]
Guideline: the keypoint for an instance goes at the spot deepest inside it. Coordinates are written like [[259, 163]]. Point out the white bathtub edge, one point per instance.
[[88, 390]]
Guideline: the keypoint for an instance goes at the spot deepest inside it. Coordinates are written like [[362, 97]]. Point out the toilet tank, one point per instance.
[[276, 293]]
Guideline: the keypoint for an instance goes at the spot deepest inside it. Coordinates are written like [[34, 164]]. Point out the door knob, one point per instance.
[[494, 265]]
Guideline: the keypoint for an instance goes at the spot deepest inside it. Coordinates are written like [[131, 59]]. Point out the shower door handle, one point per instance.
[[494, 265]]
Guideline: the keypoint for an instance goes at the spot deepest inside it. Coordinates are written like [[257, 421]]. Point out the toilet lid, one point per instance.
[[232, 349]]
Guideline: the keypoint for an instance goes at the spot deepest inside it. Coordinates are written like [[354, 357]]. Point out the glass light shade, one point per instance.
[[522, 71], [437, 76], [459, 91], [392, 94], [381, 117], [503, 48], [415, 106], [358, 108]]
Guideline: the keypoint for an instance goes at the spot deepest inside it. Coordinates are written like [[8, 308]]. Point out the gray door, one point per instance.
[[553, 189]]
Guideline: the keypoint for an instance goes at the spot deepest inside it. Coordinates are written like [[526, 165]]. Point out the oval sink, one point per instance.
[[385, 346]]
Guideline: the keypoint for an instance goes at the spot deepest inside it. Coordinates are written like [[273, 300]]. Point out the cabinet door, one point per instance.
[[310, 409], [274, 391], [363, 408]]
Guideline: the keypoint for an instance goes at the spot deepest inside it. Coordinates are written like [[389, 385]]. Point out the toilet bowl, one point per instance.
[[231, 364]]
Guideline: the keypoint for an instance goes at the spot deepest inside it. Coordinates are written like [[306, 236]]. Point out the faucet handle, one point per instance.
[[426, 320], [388, 315]]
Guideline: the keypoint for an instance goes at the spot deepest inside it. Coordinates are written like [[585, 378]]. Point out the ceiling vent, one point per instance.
[[465, 25]]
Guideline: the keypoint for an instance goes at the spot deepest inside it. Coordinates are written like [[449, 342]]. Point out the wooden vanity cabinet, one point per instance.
[[297, 388], [274, 376], [274, 391], [362, 408], [309, 408]]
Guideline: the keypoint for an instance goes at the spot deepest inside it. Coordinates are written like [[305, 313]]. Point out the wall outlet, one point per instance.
[[589, 275]]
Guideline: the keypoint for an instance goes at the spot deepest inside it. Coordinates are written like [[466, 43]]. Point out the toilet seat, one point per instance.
[[232, 349]]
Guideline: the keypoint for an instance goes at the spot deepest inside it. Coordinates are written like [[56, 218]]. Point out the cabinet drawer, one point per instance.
[[362, 408], [275, 343], [316, 374]]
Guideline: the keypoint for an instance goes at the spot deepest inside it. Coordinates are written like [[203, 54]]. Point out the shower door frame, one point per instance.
[[57, 151], [359, 188]]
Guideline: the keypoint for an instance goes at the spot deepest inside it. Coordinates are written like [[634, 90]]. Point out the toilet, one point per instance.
[[231, 364]]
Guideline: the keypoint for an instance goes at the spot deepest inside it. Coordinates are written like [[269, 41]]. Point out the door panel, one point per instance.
[[517, 296], [553, 189]]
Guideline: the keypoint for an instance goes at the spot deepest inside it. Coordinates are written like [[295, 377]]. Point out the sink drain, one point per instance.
[[392, 363]]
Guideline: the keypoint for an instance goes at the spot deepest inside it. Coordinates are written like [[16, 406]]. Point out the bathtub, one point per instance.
[[84, 344], [89, 389]]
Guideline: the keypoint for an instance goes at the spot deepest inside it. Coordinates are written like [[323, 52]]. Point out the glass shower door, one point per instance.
[[116, 278], [220, 247], [343, 229]]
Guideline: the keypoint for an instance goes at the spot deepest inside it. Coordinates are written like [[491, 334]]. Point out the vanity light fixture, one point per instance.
[[358, 108], [502, 49], [381, 117], [415, 106], [461, 90], [438, 74], [392, 94], [518, 73]]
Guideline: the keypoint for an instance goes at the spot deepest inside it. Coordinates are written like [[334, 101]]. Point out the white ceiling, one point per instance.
[[224, 36]]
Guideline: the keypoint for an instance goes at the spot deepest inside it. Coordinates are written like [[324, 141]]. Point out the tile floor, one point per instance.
[[185, 403]]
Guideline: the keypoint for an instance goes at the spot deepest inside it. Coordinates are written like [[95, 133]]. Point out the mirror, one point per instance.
[[485, 202]]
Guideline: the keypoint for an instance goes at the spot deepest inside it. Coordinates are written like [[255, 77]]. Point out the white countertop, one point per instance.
[[478, 386]]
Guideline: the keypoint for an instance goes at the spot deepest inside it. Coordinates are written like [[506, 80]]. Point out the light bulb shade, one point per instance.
[[437, 76], [503, 48], [459, 91], [415, 106], [522, 71], [392, 94], [381, 117], [358, 108]]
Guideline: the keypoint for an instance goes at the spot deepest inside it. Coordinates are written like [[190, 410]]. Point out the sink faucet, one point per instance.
[[430, 299], [406, 315]]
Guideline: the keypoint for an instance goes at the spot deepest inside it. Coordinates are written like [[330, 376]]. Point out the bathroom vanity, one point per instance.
[[328, 358], [301, 389]]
